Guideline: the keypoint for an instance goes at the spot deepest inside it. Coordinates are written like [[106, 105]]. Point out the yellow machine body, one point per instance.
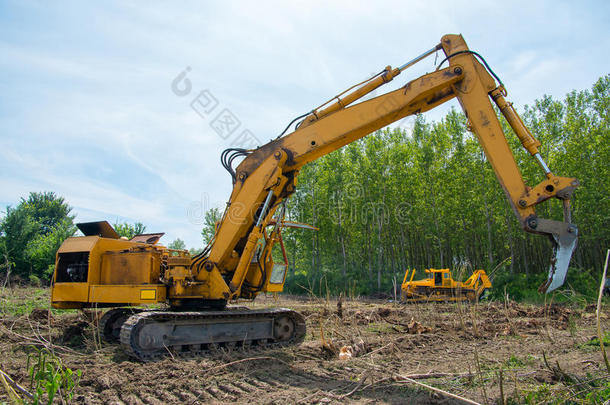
[[102, 271], [440, 286], [111, 271]]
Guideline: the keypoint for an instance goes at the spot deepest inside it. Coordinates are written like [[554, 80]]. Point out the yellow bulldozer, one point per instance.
[[440, 286]]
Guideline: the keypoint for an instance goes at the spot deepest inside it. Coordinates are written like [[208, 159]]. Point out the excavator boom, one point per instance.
[[269, 172]]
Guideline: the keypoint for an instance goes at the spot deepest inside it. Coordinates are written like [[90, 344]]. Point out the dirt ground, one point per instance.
[[481, 352]]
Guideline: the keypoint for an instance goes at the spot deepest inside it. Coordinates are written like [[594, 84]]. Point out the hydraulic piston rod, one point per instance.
[[528, 141], [385, 76]]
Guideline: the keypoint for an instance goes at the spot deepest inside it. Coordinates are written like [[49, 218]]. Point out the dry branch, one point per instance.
[[359, 387], [383, 347], [16, 386], [436, 375], [438, 390], [362, 380], [597, 312], [39, 341], [309, 396]]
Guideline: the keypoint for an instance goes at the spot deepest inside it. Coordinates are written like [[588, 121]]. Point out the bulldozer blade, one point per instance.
[[563, 237]]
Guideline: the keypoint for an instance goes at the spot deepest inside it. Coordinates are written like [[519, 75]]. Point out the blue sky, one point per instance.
[[87, 108]]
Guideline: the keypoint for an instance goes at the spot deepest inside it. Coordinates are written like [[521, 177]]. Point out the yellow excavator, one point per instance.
[[439, 285], [101, 270]]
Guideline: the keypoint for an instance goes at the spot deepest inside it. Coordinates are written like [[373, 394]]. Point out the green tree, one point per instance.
[[128, 230], [31, 232], [47, 210], [6, 264], [18, 229], [209, 226], [177, 244], [42, 248], [195, 251]]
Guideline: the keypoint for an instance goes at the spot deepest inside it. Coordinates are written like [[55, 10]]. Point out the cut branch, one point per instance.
[[404, 378], [598, 311], [16, 386]]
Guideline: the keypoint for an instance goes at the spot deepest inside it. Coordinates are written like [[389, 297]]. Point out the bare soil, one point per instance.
[[478, 351]]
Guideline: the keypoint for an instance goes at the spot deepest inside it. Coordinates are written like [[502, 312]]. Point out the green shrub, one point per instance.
[[34, 280], [594, 342], [50, 378], [579, 283], [583, 282], [518, 286], [599, 395]]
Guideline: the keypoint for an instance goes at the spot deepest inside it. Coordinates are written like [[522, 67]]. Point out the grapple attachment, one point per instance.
[[563, 236]]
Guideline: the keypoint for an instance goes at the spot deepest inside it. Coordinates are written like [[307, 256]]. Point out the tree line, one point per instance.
[[399, 200]]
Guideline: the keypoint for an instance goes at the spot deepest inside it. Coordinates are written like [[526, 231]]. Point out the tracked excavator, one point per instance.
[[102, 270]]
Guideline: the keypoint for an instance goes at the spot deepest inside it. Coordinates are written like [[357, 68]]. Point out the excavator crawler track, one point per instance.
[[151, 335], [111, 322]]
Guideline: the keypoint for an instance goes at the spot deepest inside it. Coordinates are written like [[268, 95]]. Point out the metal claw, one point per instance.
[[563, 237]]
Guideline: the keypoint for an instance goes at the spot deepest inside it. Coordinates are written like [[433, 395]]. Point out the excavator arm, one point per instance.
[[268, 175], [102, 270], [474, 93]]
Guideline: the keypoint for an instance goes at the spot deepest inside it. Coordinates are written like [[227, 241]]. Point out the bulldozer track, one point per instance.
[[132, 329], [428, 294]]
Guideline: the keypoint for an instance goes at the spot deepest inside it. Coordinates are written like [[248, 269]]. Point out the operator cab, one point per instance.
[[440, 276], [438, 279]]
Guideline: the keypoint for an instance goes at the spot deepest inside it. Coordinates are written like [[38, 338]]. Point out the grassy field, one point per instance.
[[490, 353]]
